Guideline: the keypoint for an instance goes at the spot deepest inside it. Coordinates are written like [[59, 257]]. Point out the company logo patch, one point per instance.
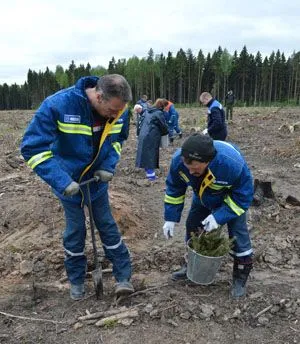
[[221, 182], [72, 118]]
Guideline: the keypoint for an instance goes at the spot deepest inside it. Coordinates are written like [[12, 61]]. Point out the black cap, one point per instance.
[[198, 147]]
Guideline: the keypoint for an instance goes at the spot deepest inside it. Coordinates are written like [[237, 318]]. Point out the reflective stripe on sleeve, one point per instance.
[[74, 128], [117, 146], [233, 206], [174, 200], [38, 158]]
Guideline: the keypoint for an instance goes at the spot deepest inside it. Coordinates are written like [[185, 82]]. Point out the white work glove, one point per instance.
[[209, 223], [103, 175], [205, 131], [169, 229], [72, 189]]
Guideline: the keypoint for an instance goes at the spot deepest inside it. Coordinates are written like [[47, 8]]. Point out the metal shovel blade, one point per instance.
[[98, 282]]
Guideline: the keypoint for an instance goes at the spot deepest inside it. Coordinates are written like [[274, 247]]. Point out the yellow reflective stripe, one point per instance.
[[219, 187], [207, 180], [117, 146], [38, 158], [116, 129], [184, 177], [174, 200], [233, 206], [74, 128]]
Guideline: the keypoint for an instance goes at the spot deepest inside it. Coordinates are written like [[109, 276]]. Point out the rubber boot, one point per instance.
[[241, 271], [179, 274], [77, 291]]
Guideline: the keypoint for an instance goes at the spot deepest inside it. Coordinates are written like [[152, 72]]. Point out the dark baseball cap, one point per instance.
[[198, 147]]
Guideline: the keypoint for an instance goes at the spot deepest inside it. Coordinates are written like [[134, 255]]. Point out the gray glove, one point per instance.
[[72, 189], [103, 175]]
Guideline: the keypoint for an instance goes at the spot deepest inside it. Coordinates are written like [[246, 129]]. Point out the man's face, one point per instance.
[[196, 168], [204, 101], [108, 108]]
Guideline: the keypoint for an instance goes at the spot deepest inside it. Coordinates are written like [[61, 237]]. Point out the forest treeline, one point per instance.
[[181, 77]]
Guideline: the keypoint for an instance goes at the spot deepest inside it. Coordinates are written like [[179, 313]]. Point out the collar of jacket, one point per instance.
[[86, 82], [107, 129], [208, 179]]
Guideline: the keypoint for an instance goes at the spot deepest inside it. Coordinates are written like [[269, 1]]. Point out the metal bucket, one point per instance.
[[202, 269]]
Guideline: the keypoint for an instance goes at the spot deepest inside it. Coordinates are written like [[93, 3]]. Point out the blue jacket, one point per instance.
[[226, 189], [216, 125], [58, 143], [152, 128], [143, 104]]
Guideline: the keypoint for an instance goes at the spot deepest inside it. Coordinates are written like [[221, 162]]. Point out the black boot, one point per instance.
[[179, 274], [241, 271]]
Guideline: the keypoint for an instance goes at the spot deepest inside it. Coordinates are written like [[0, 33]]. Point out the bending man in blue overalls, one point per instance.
[[223, 191]]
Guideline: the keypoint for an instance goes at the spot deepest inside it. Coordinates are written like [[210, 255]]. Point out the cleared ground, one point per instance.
[[33, 283]]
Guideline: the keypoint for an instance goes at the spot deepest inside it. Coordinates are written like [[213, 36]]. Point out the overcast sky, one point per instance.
[[37, 34]]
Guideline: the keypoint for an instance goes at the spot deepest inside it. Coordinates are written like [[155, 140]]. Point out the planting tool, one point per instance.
[[97, 272]]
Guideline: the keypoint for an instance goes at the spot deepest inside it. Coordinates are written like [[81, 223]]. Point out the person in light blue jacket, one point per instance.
[[223, 191], [76, 134]]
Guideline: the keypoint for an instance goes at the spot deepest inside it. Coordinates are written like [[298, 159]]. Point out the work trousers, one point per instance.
[[74, 240]]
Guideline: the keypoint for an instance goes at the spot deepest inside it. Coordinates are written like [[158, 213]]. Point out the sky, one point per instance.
[[46, 33]]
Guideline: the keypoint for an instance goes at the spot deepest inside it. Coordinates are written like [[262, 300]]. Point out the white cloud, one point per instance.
[[36, 34]]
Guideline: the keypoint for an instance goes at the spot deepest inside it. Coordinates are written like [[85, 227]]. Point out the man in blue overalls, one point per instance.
[[223, 191]]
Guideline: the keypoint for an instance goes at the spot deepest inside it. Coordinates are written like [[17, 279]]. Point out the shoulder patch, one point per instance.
[[72, 118]]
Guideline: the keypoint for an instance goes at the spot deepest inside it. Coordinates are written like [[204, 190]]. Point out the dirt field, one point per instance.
[[33, 287]]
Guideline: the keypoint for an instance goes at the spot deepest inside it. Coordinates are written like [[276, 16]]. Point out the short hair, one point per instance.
[[137, 107], [114, 85], [144, 97], [205, 95]]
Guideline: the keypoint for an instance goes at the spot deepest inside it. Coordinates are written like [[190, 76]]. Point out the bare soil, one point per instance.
[[34, 298]]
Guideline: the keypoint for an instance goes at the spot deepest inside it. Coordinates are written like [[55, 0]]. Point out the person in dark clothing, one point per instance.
[[143, 102], [216, 125], [229, 103], [153, 127]]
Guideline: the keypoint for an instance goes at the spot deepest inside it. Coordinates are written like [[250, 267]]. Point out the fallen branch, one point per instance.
[[33, 319], [263, 311], [98, 315], [139, 292], [144, 291], [172, 305], [133, 313]]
